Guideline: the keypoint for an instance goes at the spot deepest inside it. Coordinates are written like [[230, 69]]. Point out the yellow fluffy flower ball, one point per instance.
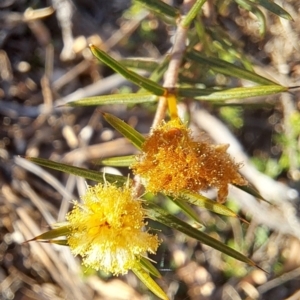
[[107, 229], [172, 162]]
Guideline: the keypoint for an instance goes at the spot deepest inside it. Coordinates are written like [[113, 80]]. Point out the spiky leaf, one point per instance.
[[85, 173], [126, 99], [127, 131], [227, 68], [139, 80], [160, 215], [148, 281]]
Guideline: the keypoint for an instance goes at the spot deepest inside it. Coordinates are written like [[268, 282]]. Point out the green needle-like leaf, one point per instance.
[[159, 72], [53, 233], [160, 215], [139, 63], [139, 80], [191, 15], [148, 266], [60, 242], [85, 173], [230, 94], [227, 68], [120, 161], [209, 204], [131, 98], [274, 8], [252, 191], [161, 8], [186, 208], [252, 7], [127, 131], [148, 281]]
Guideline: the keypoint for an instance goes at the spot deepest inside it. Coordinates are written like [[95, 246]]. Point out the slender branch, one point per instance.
[[171, 75]]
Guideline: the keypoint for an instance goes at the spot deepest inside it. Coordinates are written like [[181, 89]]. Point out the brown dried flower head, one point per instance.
[[171, 162]]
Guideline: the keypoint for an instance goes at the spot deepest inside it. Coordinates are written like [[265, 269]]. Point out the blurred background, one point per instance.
[[45, 62]]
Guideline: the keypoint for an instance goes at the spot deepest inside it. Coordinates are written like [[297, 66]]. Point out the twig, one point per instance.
[[70, 75], [176, 55], [39, 202], [279, 281], [127, 28], [64, 13]]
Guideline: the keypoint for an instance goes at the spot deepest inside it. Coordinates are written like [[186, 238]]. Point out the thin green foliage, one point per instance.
[[163, 217], [127, 131], [161, 8], [139, 80], [127, 99], [81, 172], [226, 68]]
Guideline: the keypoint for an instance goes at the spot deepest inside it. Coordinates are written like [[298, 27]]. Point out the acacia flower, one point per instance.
[[106, 229], [171, 162]]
